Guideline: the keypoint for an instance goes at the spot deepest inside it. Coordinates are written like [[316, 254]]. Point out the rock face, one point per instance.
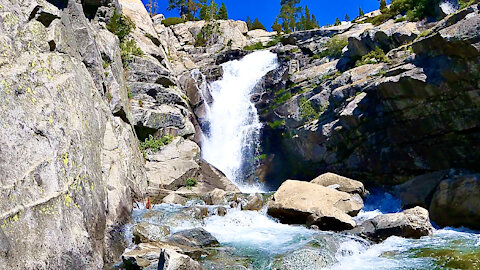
[[384, 122], [70, 165], [340, 183], [297, 202], [456, 202], [411, 223]]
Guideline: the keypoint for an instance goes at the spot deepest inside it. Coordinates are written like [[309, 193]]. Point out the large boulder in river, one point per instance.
[[411, 223], [145, 232], [340, 183], [197, 237], [456, 202], [297, 202]]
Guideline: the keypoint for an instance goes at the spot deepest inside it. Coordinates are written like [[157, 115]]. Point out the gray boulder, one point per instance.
[[145, 232], [411, 223], [197, 237]]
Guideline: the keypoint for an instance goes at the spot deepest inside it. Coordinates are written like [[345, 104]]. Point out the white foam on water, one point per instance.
[[234, 125], [255, 230]]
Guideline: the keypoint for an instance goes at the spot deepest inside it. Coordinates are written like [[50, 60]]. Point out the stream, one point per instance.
[[253, 240]]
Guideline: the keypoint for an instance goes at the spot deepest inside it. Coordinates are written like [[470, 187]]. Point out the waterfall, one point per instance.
[[231, 140]]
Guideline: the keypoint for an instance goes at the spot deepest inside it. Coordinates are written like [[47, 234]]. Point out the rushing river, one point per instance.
[[253, 240]]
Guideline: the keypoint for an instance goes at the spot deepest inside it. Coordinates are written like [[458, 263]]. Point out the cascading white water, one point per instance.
[[231, 141]]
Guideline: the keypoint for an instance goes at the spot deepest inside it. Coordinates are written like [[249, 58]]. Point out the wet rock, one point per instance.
[[149, 254], [340, 183], [197, 237], [217, 197], [419, 190], [221, 211], [174, 198], [456, 202], [411, 223], [145, 232], [304, 259], [254, 202], [172, 260], [298, 202]]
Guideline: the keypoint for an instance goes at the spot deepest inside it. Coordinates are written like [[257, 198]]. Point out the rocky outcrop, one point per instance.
[[340, 183], [411, 223], [297, 202], [456, 202], [70, 165], [356, 122]]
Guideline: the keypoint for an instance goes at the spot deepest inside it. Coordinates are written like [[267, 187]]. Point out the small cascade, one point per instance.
[[231, 136]]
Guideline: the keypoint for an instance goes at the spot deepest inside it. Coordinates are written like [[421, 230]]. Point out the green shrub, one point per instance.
[[414, 9], [334, 47], [283, 98], [206, 32], [307, 112], [129, 49], [276, 124], [253, 47], [191, 182], [465, 3], [155, 144], [120, 25], [373, 57], [172, 21]]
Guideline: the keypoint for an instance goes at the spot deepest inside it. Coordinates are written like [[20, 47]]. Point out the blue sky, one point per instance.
[[266, 10]]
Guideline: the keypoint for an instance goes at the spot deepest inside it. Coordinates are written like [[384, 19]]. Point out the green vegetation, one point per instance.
[[413, 9], [261, 157], [207, 9], [256, 24], [253, 47], [281, 97], [307, 112], [337, 22], [205, 33], [465, 3], [276, 26], [307, 21], [129, 49], [373, 57], [276, 124], [293, 17], [334, 47], [155, 144], [172, 21], [191, 182], [122, 26]]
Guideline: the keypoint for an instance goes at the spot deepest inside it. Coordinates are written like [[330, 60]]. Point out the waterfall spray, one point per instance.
[[232, 139]]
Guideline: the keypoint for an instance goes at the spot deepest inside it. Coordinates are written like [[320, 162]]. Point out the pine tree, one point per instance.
[[360, 12], [383, 5], [337, 22], [249, 23], [257, 25], [315, 22], [209, 10], [347, 18], [193, 7], [180, 5], [222, 12], [277, 27], [288, 14]]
